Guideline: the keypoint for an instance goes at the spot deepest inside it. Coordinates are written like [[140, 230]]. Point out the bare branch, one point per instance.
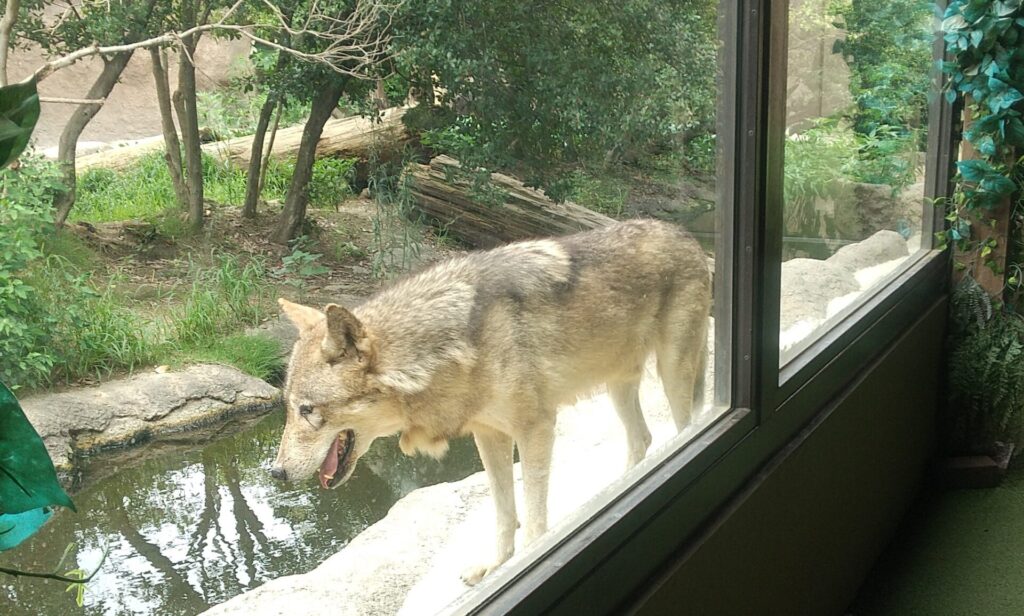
[[72, 101], [351, 45]]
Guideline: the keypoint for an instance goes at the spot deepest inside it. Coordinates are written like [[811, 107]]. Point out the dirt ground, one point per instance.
[[149, 267]]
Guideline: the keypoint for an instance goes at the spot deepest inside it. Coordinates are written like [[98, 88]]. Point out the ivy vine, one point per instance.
[[986, 41]]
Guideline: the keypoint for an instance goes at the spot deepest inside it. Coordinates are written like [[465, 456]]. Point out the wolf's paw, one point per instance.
[[474, 574]]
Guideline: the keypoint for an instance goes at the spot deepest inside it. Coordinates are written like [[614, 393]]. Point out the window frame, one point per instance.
[[625, 546]]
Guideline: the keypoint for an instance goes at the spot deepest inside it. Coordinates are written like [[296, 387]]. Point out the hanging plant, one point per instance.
[[986, 40]]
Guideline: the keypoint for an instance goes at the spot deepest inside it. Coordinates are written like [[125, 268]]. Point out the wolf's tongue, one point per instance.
[[330, 464]]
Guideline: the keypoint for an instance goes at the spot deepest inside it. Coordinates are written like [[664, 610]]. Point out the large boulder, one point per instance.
[[126, 411]]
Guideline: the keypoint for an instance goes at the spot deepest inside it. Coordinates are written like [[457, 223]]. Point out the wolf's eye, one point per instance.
[[305, 410]]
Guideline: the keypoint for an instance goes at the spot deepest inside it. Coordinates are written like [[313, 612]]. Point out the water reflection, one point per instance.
[[189, 530]]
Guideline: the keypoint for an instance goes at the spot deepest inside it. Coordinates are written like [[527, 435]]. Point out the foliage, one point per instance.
[[111, 22], [985, 39], [396, 230], [599, 192], [332, 181], [888, 49], [985, 373], [93, 333], [300, 262], [221, 299], [233, 111], [536, 86], [26, 217]]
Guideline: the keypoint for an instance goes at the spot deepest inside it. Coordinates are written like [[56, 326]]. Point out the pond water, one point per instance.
[[193, 527]]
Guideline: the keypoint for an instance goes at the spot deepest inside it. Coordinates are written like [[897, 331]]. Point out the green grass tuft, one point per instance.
[[144, 190], [256, 355]]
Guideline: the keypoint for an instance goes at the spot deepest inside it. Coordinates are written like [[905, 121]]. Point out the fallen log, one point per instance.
[[346, 137], [444, 193]]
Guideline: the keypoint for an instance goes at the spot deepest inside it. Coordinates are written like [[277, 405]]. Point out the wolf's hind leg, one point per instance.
[[535, 445], [678, 368], [626, 398], [496, 454]]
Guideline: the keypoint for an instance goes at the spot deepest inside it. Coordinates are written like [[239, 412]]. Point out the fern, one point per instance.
[[985, 372]]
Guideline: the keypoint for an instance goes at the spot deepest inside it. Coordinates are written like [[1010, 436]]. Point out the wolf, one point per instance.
[[490, 344]]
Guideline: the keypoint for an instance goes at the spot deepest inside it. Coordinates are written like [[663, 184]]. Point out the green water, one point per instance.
[[199, 524]]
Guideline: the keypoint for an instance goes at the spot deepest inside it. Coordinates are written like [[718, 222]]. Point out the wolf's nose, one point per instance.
[[279, 473]]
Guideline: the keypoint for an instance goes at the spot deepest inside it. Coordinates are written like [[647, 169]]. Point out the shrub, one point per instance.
[[26, 216]]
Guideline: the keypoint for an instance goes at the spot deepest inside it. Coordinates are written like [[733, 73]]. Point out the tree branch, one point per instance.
[[54, 576], [72, 101], [352, 44]]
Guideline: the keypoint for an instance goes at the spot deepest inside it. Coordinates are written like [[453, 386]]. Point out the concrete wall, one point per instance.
[[801, 538]]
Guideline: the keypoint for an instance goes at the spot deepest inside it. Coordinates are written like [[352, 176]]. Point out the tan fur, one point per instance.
[[492, 343]]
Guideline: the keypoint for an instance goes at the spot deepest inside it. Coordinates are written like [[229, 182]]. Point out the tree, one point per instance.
[[119, 22], [366, 27], [341, 41], [538, 86]]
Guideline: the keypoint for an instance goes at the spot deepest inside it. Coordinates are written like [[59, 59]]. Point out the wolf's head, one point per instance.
[[335, 404]]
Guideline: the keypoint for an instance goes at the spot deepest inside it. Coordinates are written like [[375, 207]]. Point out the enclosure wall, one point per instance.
[[801, 536]]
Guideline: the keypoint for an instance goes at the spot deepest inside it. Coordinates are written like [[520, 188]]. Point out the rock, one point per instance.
[[881, 247], [410, 562], [808, 285], [128, 411], [376, 570]]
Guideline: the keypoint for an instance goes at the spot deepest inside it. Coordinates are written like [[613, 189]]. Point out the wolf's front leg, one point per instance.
[[496, 453]]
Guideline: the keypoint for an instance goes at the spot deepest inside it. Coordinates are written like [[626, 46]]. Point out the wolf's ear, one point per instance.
[[345, 333], [303, 317]]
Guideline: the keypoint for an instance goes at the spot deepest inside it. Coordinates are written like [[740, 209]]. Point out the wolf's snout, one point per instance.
[[279, 473]]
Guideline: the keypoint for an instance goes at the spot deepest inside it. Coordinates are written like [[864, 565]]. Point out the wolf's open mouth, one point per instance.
[[335, 465]]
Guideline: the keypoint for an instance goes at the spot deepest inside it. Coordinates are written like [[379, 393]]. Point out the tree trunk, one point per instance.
[[254, 176], [188, 120], [172, 147], [444, 193], [68, 144], [270, 146], [295, 202], [6, 26]]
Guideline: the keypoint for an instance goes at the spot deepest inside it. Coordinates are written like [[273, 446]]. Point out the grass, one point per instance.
[[256, 355], [604, 193], [144, 191], [96, 333]]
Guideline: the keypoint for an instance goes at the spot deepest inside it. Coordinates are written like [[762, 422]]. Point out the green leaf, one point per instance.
[[1005, 99], [975, 170], [19, 110], [1006, 7], [1015, 132], [17, 527], [27, 477], [999, 185]]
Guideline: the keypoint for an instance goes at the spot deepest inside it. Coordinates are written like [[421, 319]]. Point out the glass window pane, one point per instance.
[[599, 354], [859, 76]]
